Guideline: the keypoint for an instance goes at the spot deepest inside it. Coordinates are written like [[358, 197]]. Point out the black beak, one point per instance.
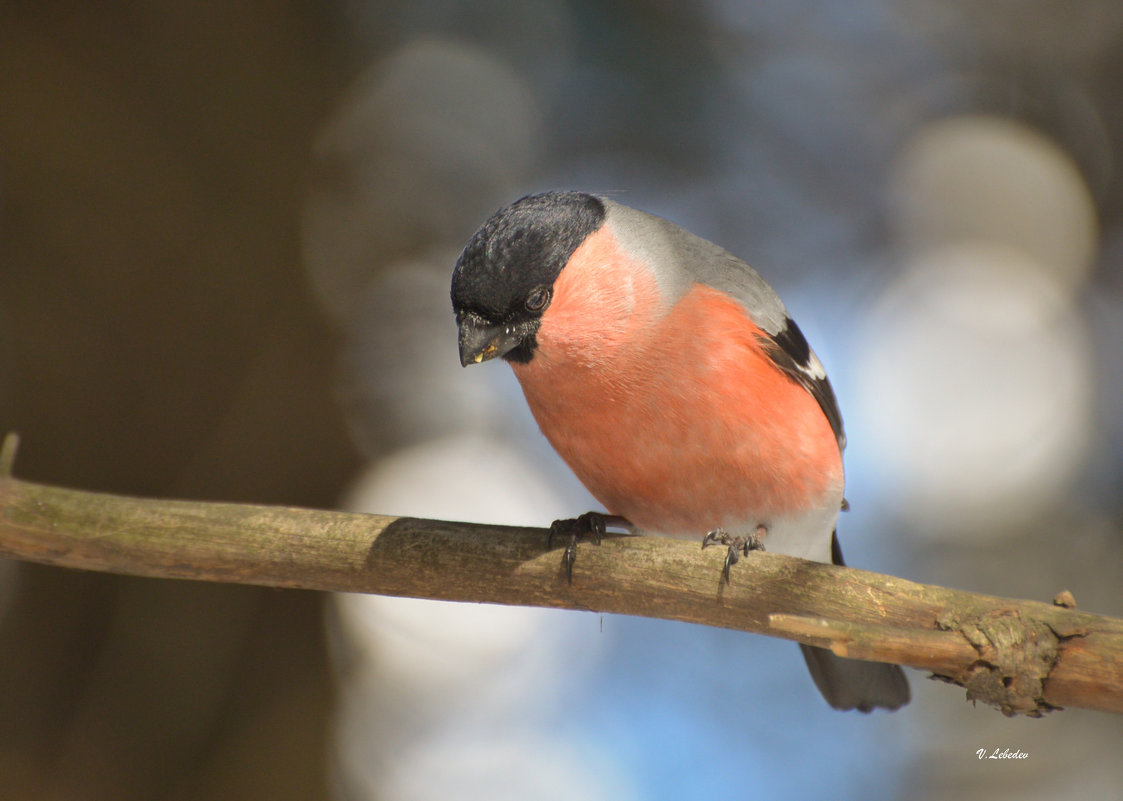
[[480, 340]]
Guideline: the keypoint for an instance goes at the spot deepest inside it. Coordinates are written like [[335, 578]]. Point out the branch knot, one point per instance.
[[1015, 655]]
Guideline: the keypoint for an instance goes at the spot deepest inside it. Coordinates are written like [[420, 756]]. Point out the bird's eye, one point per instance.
[[538, 299]]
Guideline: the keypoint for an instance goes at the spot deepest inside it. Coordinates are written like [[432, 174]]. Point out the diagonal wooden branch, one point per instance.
[[1023, 657]]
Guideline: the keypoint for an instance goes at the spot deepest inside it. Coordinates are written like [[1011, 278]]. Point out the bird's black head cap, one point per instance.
[[507, 270]]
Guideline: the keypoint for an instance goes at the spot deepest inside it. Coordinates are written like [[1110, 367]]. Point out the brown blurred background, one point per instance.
[[156, 339]]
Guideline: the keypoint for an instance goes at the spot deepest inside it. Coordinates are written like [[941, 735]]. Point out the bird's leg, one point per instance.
[[737, 545], [591, 524]]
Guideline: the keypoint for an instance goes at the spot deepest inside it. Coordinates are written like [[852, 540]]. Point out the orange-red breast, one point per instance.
[[667, 374]]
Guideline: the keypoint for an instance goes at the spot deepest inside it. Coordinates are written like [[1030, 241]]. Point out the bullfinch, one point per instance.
[[670, 378]]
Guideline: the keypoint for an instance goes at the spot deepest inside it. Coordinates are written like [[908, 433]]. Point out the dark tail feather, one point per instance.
[[854, 684]]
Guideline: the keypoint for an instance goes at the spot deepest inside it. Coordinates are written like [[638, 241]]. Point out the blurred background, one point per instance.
[[226, 235]]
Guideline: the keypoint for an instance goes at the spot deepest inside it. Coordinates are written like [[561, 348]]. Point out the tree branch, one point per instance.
[[1023, 657]]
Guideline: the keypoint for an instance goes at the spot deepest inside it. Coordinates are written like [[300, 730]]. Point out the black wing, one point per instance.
[[788, 348]]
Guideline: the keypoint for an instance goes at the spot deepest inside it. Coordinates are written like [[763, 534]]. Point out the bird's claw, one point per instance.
[[590, 524], [737, 546]]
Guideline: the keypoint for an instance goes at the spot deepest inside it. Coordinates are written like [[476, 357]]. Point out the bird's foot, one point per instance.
[[737, 546], [590, 524]]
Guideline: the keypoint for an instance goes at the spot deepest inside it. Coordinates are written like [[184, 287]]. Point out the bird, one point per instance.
[[668, 375]]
